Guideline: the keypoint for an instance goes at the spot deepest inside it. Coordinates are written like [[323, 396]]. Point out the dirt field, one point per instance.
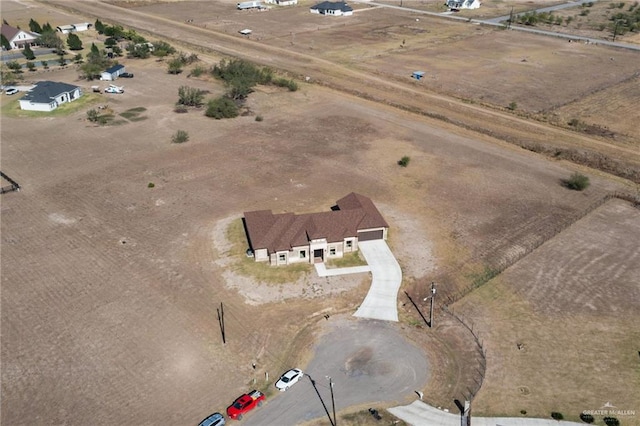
[[110, 288], [580, 292]]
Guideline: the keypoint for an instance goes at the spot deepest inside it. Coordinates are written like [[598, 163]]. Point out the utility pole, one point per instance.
[[333, 402], [510, 19], [313, 383], [433, 296], [615, 30]]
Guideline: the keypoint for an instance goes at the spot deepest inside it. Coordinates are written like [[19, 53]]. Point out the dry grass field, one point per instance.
[[110, 287]]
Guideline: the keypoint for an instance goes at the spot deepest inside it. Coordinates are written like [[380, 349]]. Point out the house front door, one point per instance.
[[318, 255]]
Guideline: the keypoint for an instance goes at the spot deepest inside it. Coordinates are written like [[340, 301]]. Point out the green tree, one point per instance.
[[50, 39], [34, 26], [31, 66], [74, 42], [5, 43], [222, 107], [78, 58], [115, 31], [99, 26], [92, 115], [190, 96], [28, 53], [94, 52], [61, 60], [138, 50], [14, 66], [110, 42], [47, 28], [45, 64], [162, 49], [7, 76], [175, 66]]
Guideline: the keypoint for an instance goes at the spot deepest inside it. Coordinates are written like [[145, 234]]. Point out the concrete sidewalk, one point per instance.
[[420, 414], [322, 270]]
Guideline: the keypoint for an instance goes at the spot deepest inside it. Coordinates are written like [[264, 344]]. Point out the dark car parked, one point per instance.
[[126, 75]]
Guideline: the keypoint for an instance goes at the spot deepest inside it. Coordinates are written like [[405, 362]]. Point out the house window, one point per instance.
[[303, 254], [349, 244], [332, 251], [282, 257]]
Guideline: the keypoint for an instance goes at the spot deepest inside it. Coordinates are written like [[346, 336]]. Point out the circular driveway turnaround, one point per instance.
[[368, 361]]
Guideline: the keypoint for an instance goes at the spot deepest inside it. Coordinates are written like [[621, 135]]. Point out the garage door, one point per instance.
[[370, 235]]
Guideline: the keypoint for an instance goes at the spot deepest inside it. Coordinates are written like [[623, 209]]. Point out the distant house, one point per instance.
[[112, 73], [48, 95], [18, 38], [282, 2], [462, 4], [338, 8], [286, 238]]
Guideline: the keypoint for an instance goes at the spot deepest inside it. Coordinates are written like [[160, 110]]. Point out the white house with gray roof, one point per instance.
[[48, 95], [338, 8]]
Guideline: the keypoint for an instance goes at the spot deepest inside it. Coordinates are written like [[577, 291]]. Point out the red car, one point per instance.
[[245, 403]]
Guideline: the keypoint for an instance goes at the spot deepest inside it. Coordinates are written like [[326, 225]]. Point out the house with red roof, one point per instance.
[[285, 238]]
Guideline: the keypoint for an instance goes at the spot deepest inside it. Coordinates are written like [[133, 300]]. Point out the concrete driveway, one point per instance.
[[382, 300]]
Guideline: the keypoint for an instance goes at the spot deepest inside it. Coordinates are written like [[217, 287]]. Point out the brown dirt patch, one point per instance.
[[110, 288]]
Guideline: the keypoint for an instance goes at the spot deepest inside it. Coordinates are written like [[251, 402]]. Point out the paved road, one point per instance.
[[499, 22], [361, 356], [501, 19]]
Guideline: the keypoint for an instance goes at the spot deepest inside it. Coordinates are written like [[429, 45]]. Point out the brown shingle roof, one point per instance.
[[283, 231]]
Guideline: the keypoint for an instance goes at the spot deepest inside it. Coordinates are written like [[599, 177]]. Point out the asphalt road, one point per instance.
[[368, 362]]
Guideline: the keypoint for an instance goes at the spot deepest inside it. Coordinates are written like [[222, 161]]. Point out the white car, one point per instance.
[[289, 379], [11, 91]]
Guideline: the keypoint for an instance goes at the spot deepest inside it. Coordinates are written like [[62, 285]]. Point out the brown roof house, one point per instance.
[[286, 238], [18, 38]]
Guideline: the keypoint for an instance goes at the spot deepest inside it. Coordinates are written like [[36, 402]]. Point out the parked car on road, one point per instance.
[[245, 403], [216, 419], [289, 379], [126, 75], [11, 91]]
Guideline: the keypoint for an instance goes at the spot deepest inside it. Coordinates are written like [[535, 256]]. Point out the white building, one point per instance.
[[48, 95]]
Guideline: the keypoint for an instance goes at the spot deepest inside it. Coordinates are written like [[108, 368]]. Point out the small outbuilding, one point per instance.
[[112, 73], [462, 4], [48, 95], [338, 8]]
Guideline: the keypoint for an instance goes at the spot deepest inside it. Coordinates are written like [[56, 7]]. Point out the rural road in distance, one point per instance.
[[368, 361]]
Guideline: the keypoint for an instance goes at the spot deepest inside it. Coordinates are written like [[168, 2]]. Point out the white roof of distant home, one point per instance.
[[246, 31]]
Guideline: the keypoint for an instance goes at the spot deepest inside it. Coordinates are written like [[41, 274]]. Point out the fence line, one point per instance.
[[493, 271], [503, 265], [481, 351]]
